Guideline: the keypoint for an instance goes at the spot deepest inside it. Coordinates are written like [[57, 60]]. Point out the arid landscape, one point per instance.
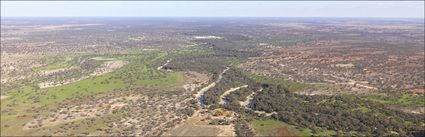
[[212, 77]]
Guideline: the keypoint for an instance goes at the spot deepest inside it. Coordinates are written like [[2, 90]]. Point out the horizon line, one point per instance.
[[381, 17]]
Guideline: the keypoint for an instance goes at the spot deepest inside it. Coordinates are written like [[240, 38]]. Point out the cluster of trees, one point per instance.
[[219, 122], [90, 64], [218, 55], [241, 94], [338, 113], [232, 78], [201, 63], [230, 49], [33, 76], [319, 113], [242, 128]]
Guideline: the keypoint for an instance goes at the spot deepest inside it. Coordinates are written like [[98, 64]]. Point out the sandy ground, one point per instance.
[[203, 90], [208, 37], [5, 80], [230, 91], [106, 67], [197, 125], [194, 80], [414, 110], [418, 90], [101, 58], [49, 72], [3, 97], [74, 113]]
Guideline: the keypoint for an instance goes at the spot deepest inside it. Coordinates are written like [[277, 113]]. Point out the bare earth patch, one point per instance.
[[198, 125], [208, 37], [413, 110], [106, 67], [69, 114], [3, 97], [194, 80], [50, 72]]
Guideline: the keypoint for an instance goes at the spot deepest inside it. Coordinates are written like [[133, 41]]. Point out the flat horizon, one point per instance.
[[201, 17]]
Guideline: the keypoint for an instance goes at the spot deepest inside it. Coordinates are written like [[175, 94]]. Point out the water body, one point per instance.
[[201, 99]]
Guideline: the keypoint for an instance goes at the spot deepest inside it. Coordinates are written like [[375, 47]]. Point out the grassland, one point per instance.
[[362, 109], [271, 127], [326, 133], [19, 108], [403, 99], [306, 132], [55, 62]]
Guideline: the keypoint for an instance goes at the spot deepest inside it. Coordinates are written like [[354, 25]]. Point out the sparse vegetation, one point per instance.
[[268, 77]]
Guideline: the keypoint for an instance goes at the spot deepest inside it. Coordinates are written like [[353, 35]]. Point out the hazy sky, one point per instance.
[[216, 8]]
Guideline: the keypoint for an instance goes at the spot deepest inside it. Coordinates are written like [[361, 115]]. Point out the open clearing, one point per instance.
[[275, 128], [198, 125], [106, 67], [3, 97]]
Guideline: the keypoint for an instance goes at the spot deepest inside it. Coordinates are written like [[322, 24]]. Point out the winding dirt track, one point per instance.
[[249, 99], [203, 90], [222, 101], [165, 64]]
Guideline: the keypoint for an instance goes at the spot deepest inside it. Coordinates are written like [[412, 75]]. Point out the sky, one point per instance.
[[391, 9]]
